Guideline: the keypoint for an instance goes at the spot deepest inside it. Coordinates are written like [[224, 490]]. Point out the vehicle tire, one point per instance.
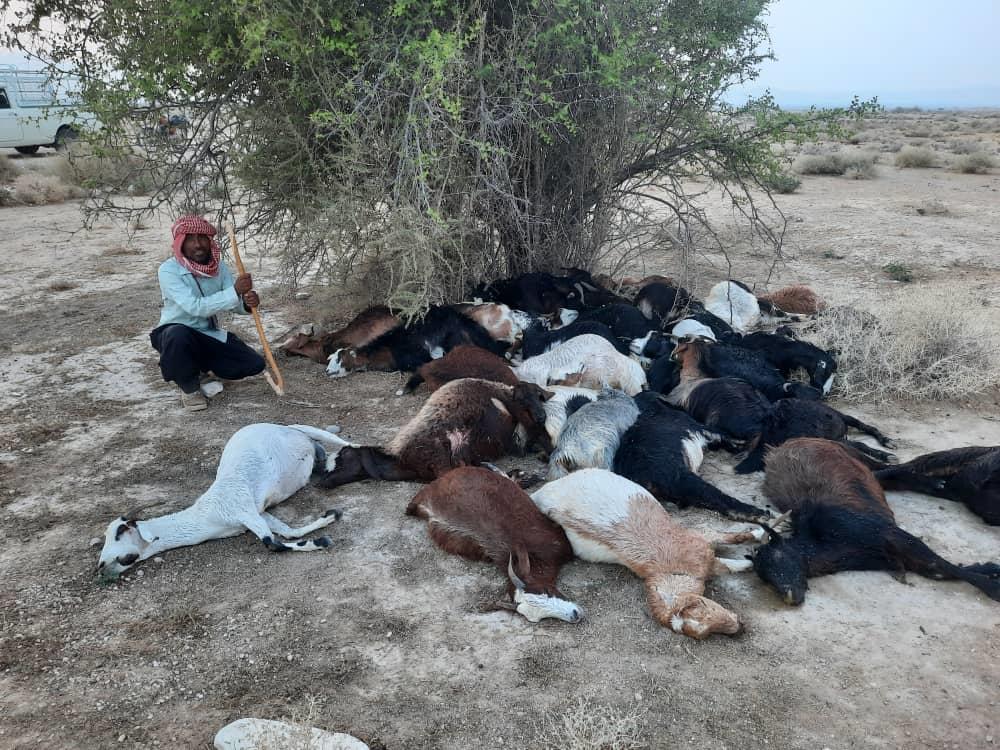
[[65, 136], [26, 149]]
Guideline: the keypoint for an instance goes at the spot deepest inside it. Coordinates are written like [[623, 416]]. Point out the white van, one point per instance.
[[34, 112]]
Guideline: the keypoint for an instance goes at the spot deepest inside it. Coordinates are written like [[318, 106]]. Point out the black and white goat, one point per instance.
[[261, 465], [625, 321], [788, 355], [663, 451], [537, 340]]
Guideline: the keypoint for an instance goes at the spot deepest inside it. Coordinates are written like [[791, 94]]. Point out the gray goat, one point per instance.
[[592, 432]]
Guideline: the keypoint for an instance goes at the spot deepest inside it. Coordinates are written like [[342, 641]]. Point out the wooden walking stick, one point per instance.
[[277, 382]]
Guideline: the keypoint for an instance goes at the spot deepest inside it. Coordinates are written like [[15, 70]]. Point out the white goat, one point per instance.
[[588, 361], [734, 304], [592, 433], [261, 465], [609, 519]]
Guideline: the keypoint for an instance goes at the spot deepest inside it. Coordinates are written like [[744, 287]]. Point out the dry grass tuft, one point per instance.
[[88, 168], [585, 725], [926, 346], [62, 286], [859, 166], [910, 157], [978, 163], [41, 189], [8, 169], [120, 250]]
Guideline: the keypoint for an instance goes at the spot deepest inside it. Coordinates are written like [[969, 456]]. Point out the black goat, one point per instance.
[[663, 375], [624, 320], [795, 418], [537, 340], [540, 293], [662, 452], [965, 475], [728, 361], [661, 302], [842, 521], [788, 355]]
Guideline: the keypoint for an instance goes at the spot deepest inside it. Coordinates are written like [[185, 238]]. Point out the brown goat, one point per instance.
[[798, 299], [366, 326], [481, 515], [498, 319], [464, 361], [463, 423]]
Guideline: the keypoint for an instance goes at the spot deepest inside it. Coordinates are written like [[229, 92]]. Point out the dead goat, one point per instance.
[[663, 450], [481, 515], [463, 423], [965, 475], [794, 418], [609, 519], [842, 521], [463, 361], [261, 465], [592, 432], [367, 326]]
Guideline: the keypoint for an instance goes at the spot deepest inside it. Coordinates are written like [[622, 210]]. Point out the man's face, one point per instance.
[[197, 248]]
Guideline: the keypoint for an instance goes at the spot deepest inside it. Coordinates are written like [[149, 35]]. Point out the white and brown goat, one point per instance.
[[610, 519]]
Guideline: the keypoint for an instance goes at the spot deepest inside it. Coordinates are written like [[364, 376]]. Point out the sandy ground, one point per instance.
[[384, 636]]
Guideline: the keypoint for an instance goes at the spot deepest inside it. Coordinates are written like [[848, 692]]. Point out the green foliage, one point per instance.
[[898, 272], [496, 138], [781, 183]]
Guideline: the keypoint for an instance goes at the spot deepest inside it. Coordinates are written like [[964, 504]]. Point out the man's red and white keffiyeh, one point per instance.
[[186, 225]]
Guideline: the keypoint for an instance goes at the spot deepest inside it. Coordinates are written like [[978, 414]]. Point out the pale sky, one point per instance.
[[908, 52]]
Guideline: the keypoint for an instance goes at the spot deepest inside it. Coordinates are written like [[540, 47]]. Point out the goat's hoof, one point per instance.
[[322, 542], [273, 545], [335, 512]]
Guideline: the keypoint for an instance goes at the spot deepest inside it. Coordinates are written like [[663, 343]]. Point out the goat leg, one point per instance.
[[867, 429], [899, 479], [873, 458], [691, 490], [912, 554]]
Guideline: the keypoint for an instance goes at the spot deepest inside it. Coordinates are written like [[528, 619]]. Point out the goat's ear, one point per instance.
[[546, 395]]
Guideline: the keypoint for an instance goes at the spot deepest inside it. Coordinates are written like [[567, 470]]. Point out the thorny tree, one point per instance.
[[417, 146]]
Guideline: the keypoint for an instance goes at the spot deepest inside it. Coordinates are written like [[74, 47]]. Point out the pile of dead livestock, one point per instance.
[[622, 391]]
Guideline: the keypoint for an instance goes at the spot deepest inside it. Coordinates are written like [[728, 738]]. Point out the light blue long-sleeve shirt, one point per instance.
[[184, 302]]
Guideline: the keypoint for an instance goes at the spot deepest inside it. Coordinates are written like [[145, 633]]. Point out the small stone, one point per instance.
[[95, 541], [158, 559], [121, 737]]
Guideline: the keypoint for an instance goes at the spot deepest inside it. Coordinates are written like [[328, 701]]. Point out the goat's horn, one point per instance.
[[774, 535], [781, 520], [518, 583]]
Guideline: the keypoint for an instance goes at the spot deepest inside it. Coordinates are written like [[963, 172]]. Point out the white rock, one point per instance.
[[96, 541], [211, 388], [258, 734]]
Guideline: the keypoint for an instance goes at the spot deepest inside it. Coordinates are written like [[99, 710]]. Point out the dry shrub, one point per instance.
[[932, 208], [41, 189], [81, 165], [120, 250], [978, 163], [925, 346], [859, 166], [8, 169], [915, 157], [585, 725], [62, 286], [965, 147]]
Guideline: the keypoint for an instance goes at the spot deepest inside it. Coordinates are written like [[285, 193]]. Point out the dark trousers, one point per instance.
[[185, 354]]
